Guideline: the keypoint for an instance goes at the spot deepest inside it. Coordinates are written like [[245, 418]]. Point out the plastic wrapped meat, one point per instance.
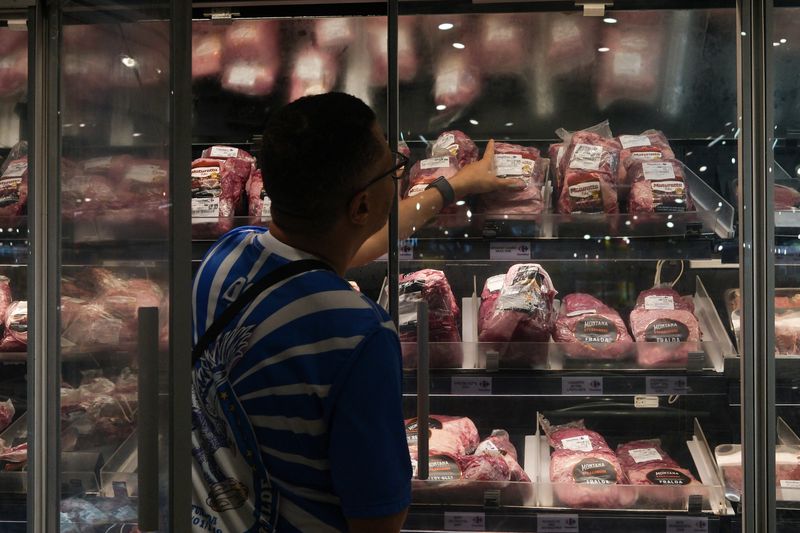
[[521, 163], [218, 188], [523, 311], [489, 295], [423, 173], [6, 414], [456, 80], [5, 296], [649, 145], [432, 287], [658, 187], [589, 329], [14, 188], [484, 467], [555, 153], [457, 144], [502, 43], [452, 435], [570, 42], [252, 39], [207, 50], [787, 332], [646, 463], [14, 63], [589, 167], [407, 59], [16, 321], [334, 34], [314, 72], [227, 152], [664, 327], [499, 444], [258, 203], [92, 325], [786, 198]]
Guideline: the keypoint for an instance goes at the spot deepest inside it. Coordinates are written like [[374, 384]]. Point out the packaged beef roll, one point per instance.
[[589, 329], [589, 166], [584, 470], [650, 145], [521, 163], [14, 188], [664, 327], [658, 187], [491, 290], [499, 444], [432, 287], [451, 435], [646, 463], [457, 144]]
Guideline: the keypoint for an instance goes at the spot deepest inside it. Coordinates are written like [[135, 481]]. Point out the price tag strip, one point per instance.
[[509, 251], [470, 385], [687, 524], [667, 385], [557, 523], [465, 521], [590, 386]]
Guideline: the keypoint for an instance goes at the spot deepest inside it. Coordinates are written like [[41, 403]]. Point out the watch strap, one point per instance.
[[445, 189]]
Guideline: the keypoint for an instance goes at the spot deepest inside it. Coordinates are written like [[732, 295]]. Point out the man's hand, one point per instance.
[[479, 177]]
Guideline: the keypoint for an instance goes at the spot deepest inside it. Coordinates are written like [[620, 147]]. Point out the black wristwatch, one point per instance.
[[445, 189]]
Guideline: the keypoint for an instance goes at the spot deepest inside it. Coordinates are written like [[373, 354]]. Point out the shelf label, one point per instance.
[[509, 251], [582, 385], [557, 523], [406, 251], [465, 521], [687, 524], [667, 385], [470, 385], [642, 401], [790, 484]]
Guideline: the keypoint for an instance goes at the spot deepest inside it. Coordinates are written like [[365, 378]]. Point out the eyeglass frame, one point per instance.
[[402, 162]]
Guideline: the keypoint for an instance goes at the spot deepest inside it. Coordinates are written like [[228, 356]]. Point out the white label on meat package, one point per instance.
[[469, 385], [581, 312], [500, 251], [590, 386], [244, 75], [687, 524], [666, 385], [495, 283], [508, 165], [577, 444], [632, 141], [435, 162], [447, 82], [656, 171], [417, 189], [557, 523], [146, 173], [645, 455], [559, 155], [649, 156], [628, 64], [16, 169], [790, 483], [265, 207], [444, 144], [586, 157], [97, 162], [659, 302], [465, 521], [205, 207], [224, 151], [565, 30]]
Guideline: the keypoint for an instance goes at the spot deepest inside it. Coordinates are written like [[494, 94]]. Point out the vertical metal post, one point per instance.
[[393, 133], [180, 269], [147, 430], [44, 234], [423, 389], [757, 265]]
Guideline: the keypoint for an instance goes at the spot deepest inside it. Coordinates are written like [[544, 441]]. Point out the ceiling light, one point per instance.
[[509, 124], [703, 168], [444, 26], [610, 20], [604, 49], [137, 134], [128, 61], [783, 41], [441, 107], [473, 122], [460, 46], [776, 44]]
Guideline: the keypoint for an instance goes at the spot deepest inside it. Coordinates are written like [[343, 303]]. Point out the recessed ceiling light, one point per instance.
[[473, 122], [459, 46], [783, 41], [441, 107], [703, 168], [604, 49], [444, 26], [509, 124], [128, 61], [610, 20], [776, 44]]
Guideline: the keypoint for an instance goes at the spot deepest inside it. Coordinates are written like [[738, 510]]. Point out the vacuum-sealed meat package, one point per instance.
[[650, 145], [499, 444], [457, 144], [658, 187], [456, 80], [521, 163], [207, 50], [14, 188], [407, 58], [646, 463], [314, 71], [664, 327], [589, 168], [589, 329], [453, 435]]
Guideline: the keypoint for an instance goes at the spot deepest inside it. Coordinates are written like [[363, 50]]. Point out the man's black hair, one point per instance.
[[315, 155]]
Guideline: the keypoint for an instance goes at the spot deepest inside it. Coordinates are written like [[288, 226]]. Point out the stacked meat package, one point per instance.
[[523, 164], [251, 57], [218, 185], [430, 286], [646, 463], [590, 329], [664, 322], [456, 452]]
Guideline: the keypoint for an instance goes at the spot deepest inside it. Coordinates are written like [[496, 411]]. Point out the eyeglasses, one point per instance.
[[396, 172]]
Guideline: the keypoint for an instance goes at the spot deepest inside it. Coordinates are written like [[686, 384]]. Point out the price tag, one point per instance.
[[642, 401], [470, 385], [589, 386], [509, 251], [667, 385], [557, 523], [406, 251], [687, 524], [790, 484], [465, 521]]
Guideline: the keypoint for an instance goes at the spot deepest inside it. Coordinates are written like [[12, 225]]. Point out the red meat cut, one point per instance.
[[491, 290], [7, 411], [484, 467], [786, 198], [14, 188], [456, 80], [521, 163], [664, 327], [452, 435], [5, 296], [589, 329], [314, 71], [499, 444], [502, 43], [649, 145], [589, 167], [258, 203], [555, 153], [457, 144], [424, 172], [207, 49], [407, 58], [658, 187], [646, 463], [217, 189]]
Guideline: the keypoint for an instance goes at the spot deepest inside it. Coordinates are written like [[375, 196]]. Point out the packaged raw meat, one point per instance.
[[407, 59], [217, 189], [649, 145], [250, 77], [258, 203], [555, 153], [16, 322], [521, 163], [18, 151], [207, 50], [14, 69], [443, 318], [314, 71], [453, 435], [589, 167], [658, 187], [5, 296], [14, 188], [523, 311], [787, 470], [423, 173], [456, 80], [786, 198], [6, 414], [334, 34], [92, 325], [457, 144], [499, 444], [646, 463], [664, 327], [484, 467], [584, 470], [252, 40], [491, 290], [502, 39], [570, 42], [589, 329]]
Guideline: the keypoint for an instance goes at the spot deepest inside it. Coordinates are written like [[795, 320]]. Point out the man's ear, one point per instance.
[[358, 209]]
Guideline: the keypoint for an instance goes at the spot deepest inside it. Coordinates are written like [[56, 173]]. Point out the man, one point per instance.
[[297, 415]]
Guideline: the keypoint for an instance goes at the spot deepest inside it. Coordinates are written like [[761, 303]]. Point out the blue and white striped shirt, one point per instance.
[[315, 368]]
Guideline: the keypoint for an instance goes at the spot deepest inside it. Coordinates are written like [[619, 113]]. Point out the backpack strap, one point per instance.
[[247, 297]]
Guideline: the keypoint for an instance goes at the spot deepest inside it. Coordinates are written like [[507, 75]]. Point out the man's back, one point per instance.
[[305, 387]]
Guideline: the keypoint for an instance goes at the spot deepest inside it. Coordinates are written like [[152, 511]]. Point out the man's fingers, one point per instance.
[[510, 183], [489, 153]]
